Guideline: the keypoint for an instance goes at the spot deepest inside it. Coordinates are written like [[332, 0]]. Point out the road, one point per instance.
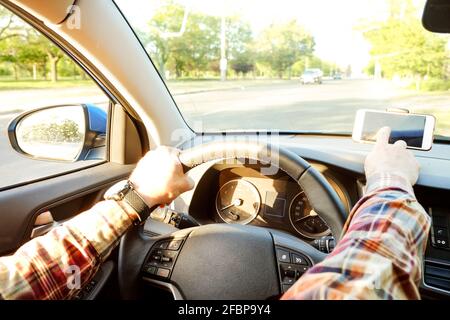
[[282, 105], [290, 106]]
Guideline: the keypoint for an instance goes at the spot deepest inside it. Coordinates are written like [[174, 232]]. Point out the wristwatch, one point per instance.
[[124, 191]]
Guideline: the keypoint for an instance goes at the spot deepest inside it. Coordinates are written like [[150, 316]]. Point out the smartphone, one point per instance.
[[415, 129]]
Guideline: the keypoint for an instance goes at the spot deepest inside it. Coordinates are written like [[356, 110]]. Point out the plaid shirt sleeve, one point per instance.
[[58, 264], [380, 255]]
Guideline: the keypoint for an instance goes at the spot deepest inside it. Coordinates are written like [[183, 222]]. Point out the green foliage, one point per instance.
[[196, 52], [25, 53], [243, 63], [402, 47], [68, 131], [434, 84], [193, 51], [280, 46]]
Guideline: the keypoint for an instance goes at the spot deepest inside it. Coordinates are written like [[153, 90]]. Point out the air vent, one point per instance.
[[437, 275]]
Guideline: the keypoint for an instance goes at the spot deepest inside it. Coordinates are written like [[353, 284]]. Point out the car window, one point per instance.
[[34, 75], [294, 65]]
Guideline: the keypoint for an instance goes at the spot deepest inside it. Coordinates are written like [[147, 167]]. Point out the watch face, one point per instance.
[[115, 189]]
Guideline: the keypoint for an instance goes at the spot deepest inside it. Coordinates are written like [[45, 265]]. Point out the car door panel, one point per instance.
[[65, 196]]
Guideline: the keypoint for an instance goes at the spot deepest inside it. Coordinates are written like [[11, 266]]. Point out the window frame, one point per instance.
[[91, 72]]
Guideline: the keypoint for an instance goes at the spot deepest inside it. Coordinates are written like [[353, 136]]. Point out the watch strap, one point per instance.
[[138, 204]]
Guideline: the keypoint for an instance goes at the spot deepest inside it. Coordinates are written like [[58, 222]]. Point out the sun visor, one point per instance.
[[436, 16], [49, 11]]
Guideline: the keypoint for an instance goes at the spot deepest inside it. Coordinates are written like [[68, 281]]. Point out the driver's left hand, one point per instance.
[[159, 177]]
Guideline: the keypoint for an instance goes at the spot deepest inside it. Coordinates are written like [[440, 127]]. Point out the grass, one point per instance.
[[43, 84], [176, 86], [433, 85]]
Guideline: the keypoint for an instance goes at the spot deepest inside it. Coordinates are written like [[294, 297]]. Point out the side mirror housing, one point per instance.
[[61, 133]]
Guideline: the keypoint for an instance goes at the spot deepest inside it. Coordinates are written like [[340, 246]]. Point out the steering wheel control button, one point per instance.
[[292, 265], [283, 255], [150, 269], [163, 273], [162, 245], [169, 254], [156, 257], [298, 259], [161, 259], [289, 281], [302, 269], [174, 244], [288, 274]]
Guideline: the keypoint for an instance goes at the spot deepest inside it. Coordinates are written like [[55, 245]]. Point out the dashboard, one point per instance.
[[240, 194]]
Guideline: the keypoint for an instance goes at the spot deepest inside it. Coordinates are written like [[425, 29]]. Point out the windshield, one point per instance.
[[240, 64]]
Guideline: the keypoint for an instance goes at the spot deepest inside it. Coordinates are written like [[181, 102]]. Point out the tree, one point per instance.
[[168, 19], [243, 63], [8, 28], [197, 50], [401, 46], [240, 46], [199, 45], [43, 47], [54, 54], [31, 55], [280, 46]]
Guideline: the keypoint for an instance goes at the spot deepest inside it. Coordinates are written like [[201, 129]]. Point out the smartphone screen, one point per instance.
[[406, 127]]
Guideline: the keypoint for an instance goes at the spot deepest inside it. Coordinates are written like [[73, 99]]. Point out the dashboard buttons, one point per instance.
[[440, 231], [283, 255], [441, 237]]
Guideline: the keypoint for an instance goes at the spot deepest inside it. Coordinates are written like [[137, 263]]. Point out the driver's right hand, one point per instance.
[[392, 159]]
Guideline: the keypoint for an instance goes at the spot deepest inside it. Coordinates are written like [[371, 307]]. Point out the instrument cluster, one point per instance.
[[245, 196]]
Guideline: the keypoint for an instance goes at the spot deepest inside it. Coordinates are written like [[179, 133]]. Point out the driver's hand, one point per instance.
[[391, 158], [159, 177]]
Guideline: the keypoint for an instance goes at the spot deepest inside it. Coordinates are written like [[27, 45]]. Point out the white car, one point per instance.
[[311, 76]]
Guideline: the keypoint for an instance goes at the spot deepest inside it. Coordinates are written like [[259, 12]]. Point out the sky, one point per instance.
[[331, 22]]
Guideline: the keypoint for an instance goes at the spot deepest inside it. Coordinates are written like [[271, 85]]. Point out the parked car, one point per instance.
[[311, 76], [337, 76]]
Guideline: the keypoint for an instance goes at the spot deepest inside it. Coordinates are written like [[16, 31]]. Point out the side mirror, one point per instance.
[[67, 133]]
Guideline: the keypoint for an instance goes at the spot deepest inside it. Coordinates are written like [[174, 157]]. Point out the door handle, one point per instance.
[[44, 223]]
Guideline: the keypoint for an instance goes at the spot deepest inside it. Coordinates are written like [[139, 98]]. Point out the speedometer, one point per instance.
[[238, 201], [305, 220]]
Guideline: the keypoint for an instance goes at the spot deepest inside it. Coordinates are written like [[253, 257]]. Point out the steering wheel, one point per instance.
[[221, 261]]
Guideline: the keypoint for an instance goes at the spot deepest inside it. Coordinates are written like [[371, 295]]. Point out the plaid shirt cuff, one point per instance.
[[381, 181]]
